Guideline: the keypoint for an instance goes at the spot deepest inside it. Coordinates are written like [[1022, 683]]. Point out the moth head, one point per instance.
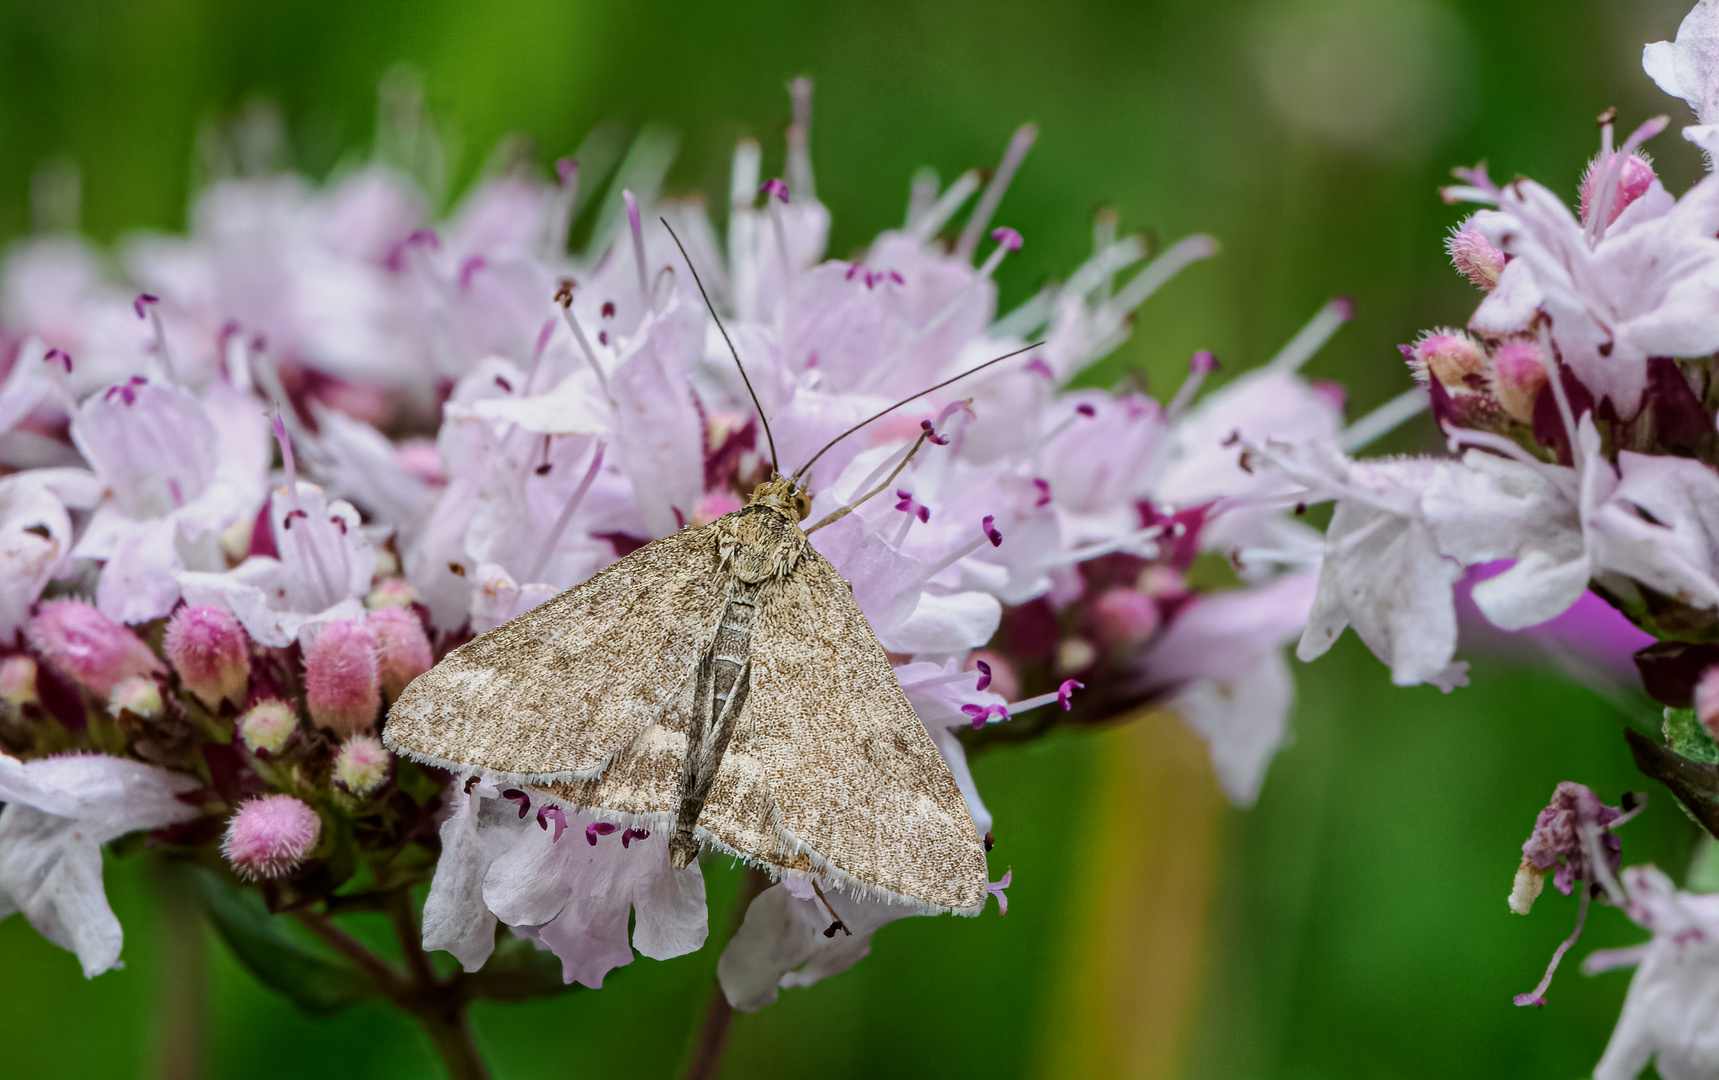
[[783, 494]]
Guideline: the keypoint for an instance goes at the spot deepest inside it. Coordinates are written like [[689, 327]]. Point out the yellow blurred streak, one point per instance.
[[1136, 936]]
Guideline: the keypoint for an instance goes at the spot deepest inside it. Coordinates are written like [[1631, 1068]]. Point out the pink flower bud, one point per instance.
[[1707, 700], [1517, 378], [270, 837], [1161, 581], [136, 694], [342, 680], [88, 647], [361, 765], [1074, 654], [268, 725], [1633, 184], [391, 593], [18, 680], [1124, 618], [402, 648], [1451, 357], [1474, 256], [207, 647]]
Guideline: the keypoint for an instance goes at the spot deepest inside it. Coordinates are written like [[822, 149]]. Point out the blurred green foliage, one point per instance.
[[1359, 926]]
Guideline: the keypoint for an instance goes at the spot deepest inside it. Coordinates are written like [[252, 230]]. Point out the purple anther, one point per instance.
[[176, 491], [339, 523], [984, 675], [596, 829], [981, 714], [544, 813], [852, 270], [426, 237], [1202, 362], [931, 435], [897, 278], [514, 795], [471, 266], [908, 506], [286, 522], [1039, 367], [1043, 487], [567, 170], [1344, 307], [774, 186], [1529, 999], [1007, 237], [996, 888], [504, 384], [1066, 691], [61, 355], [608, 309], [1086, 410], [990, 531], [142, 303], [543, 336], [630, 835]]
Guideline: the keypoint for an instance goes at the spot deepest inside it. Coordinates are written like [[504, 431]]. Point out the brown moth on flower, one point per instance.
[[723, 684]]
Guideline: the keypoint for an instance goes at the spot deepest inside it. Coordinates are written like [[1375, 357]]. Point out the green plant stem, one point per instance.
[[184, 999], [719, 1014], [438, 1005]]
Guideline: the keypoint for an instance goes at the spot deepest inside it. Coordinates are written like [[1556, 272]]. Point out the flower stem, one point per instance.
[[438, 1005], [713, 1035], [184, 998]]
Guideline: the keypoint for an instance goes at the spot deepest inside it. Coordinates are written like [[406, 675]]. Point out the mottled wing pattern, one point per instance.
[[829, 755], [555, 693]]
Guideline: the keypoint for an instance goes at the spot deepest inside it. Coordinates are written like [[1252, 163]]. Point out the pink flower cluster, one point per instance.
[[470, 420]]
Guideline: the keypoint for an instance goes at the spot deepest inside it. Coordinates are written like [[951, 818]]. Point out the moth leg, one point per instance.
[[838, 924], [836, 515]]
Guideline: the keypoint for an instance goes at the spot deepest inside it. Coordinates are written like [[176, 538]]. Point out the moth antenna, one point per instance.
[[771, 439], [836, 515], [801, 471]]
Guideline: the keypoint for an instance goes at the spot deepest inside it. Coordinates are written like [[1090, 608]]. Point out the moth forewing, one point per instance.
[[720, 681]]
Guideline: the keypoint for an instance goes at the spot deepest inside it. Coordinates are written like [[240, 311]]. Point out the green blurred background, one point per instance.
[[1352, 924]]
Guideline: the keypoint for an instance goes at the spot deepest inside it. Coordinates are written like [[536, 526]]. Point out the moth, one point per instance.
[[722, 683]]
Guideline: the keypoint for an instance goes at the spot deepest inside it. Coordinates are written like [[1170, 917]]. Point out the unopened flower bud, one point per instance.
[[267, 725], [361, 765], [139, 695], [1124, 618], [1474, 256], [1529, 882], [1451, 357], [402, 648], [1517, 379], [18, 680], [1637, 176], [88, 647], [1161, 581], [391, 592], [1074, 654], [207, 647], [342, 680], [1707, 700], [271, 836]]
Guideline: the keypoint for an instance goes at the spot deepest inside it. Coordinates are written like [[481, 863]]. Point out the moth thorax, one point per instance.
[[781, 494]]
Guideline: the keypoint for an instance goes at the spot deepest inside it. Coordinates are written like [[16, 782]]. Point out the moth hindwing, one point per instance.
[[723, 683]]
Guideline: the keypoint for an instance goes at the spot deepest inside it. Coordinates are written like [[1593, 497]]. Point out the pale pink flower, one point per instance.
[[59, 812]]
